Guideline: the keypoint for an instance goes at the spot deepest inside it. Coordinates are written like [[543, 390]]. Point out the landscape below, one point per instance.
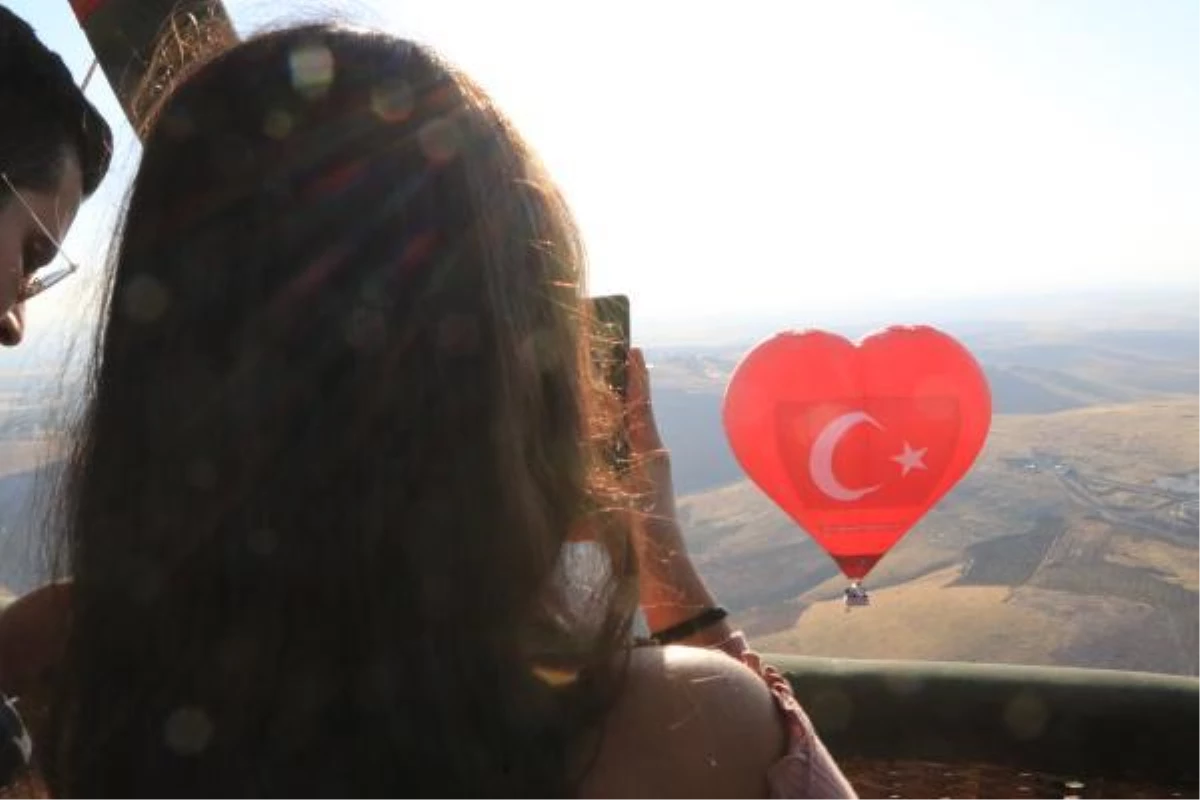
[[1072, 542]]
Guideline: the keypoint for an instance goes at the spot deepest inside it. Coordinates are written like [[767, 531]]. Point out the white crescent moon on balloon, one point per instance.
[[820, 457]]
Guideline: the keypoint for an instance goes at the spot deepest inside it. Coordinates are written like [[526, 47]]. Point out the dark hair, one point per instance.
[[341, 424], [44, 112]]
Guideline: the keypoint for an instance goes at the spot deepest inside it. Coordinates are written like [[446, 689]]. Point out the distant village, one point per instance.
[[1170, 505]]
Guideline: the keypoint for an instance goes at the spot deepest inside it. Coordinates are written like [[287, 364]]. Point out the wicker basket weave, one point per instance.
[[888, 779]]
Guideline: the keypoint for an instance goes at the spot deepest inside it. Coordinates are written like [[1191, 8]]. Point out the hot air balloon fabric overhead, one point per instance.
[[123, 34], [856, 442]]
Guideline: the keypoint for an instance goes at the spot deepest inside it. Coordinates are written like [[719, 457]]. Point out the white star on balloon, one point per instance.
[[911, 459]]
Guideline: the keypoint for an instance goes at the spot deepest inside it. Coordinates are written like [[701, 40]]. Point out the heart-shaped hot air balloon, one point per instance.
[[856, 442]]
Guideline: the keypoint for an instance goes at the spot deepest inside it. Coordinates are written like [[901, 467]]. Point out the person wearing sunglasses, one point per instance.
[[54, 151]]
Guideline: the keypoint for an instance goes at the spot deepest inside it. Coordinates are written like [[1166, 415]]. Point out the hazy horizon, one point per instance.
[[1172, 307], [1124, 306]]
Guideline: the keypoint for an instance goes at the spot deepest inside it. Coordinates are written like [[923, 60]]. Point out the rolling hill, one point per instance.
[[930, 619], [22, 565]]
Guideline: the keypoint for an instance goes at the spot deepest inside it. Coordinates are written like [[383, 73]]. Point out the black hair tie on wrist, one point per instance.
[[706, 618]]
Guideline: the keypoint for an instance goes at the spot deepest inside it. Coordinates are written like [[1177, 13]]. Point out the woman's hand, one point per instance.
[[671, 590]]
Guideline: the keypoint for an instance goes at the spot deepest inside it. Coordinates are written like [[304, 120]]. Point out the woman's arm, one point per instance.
[[671, 589]]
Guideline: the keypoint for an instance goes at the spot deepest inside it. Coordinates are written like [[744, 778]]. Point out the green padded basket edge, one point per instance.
[[1065, 720]]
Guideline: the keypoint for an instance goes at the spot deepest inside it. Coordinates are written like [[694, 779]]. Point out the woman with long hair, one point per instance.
[[343, 424], [54, 151]]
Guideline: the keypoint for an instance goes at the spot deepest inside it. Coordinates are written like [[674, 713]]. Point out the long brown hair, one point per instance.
[[341, 423]]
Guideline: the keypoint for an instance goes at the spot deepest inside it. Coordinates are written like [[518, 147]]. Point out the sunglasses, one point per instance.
[[34, 285]]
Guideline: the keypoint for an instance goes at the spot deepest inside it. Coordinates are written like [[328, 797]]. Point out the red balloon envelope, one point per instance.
[[857, 442]]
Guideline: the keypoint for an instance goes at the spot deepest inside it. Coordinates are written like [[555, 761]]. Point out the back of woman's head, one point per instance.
[[44, 114], [336, 441]]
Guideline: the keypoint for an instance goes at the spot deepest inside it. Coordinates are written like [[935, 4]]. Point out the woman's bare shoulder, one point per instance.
[[691, 722]]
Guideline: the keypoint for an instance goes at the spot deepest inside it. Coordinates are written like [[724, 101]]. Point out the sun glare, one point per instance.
[[821, 156]]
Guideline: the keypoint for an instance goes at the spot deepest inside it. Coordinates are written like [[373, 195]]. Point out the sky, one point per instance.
[[801, 160]]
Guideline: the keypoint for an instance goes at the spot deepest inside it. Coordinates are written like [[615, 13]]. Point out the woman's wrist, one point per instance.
[[665, 568], [704, 625], [672, 591], [691, 627]]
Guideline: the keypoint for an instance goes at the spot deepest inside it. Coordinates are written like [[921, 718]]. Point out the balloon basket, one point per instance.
[[856, 596]]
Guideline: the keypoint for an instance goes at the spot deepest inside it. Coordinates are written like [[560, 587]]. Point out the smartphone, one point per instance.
[[610, 351]]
